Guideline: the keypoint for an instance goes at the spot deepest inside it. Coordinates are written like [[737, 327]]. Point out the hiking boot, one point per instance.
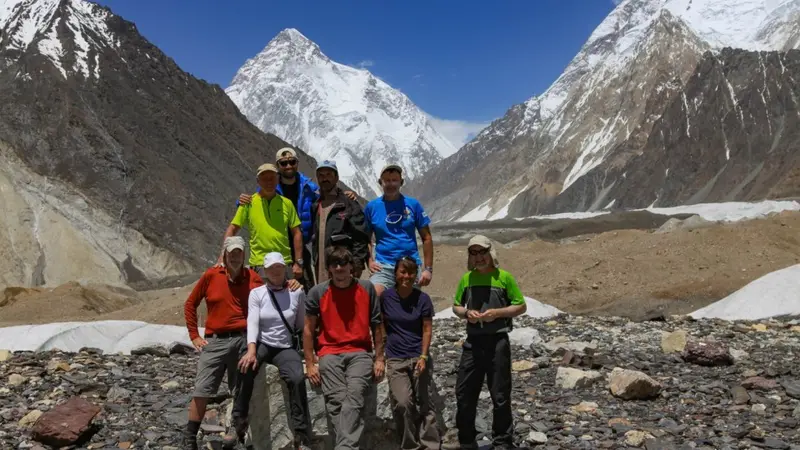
[[235, 433], [188, 442]]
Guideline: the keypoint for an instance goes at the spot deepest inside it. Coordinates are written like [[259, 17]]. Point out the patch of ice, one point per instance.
[[51, 47], [731, 211], [535, 309], [775, 294], [111, 336]]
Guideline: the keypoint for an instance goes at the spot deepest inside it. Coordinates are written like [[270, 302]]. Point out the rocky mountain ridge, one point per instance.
[[613, 91], [118, 166]]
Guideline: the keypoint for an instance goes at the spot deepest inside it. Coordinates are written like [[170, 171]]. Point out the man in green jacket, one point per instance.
[[488, 298]]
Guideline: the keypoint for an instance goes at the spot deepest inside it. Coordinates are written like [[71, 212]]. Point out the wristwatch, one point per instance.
[[425, 357], [429, 269], [300, 262]]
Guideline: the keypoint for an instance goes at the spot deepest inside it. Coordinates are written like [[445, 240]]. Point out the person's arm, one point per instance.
[[427, 322], [378, 332], [309, 330], [190, 311], [299, 317], [297, 241], [460, 309], [249, 359], [423, 224]]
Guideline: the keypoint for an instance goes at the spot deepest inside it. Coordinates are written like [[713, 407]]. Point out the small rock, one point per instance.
[[759, 408], [760, 327], [5, 355], [740, 395], [569, 378], [56, 365], [632, 385], [792, 388], [760, 384], [169, 385], [16, 379], [738, 355], [707, 353], [30, 419], [673, 342], [774, 443], [584, 407], [537, 437], [636, 438], [523, 365]]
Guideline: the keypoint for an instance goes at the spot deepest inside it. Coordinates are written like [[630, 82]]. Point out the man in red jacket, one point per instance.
[[226, 290]]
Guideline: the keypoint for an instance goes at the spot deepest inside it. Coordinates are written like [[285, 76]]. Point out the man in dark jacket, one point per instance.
[[338, 220], [303, 192]]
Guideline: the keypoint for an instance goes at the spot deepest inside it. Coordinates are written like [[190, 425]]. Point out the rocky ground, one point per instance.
[[579, 382]]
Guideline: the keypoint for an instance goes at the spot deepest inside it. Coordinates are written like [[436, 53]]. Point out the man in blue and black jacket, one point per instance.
[[303, 192]]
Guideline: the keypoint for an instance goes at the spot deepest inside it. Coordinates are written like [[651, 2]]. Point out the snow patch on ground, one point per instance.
[[536, 309], [775, 294], [111, 336]]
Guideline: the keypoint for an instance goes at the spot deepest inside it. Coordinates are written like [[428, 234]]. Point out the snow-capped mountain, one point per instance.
[[614, 90], [116, 166], [334, 111]]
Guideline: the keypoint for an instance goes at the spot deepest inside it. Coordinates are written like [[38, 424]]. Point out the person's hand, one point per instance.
[[374, 267], [420, 367], [297, 270], [312, 373], [293, 285], [425, 278], [351, 195], [247, 361], [244, 199], [473, 316], [489, 315], [220, 262], [199, 343], [378, 370]]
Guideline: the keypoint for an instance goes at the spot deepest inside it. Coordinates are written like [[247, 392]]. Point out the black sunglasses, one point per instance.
[[288, 162], [482, 251]]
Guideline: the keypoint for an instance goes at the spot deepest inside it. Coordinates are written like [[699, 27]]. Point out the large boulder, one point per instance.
[[67, 424], [269, 416], [632, 385], [707, 353]]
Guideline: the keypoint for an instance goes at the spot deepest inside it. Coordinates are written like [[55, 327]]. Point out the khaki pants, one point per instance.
[[412, 404]]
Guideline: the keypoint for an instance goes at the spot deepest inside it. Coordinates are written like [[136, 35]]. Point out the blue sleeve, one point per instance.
[[422, 217]]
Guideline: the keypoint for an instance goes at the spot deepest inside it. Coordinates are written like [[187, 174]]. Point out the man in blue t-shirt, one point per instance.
[[395, 220]]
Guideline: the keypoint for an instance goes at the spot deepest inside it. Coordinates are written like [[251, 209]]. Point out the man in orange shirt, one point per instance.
[[226, 290]]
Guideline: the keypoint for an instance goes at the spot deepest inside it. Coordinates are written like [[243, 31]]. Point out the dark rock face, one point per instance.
[[144, 141], [732, 133]]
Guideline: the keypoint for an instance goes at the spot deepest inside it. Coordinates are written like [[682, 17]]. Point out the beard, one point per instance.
[[327, 186]]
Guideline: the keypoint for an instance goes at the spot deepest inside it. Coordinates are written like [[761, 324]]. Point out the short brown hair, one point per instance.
[[338, 255]]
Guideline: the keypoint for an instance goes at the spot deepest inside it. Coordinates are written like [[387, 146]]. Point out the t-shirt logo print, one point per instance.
[[393, 218]]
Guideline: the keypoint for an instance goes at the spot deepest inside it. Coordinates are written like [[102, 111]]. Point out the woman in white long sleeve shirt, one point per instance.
[[270, 341]]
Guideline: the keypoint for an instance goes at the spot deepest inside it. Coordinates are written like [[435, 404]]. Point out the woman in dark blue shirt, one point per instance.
[[408, 320]]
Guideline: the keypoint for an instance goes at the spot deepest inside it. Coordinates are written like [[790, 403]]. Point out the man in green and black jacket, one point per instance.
[[337, 220], [488, 298]]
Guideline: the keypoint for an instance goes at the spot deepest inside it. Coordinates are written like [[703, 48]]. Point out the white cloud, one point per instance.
[[459, 132], [365, 63]]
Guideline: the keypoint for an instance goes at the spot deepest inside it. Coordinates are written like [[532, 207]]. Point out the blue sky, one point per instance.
[[466, 61]]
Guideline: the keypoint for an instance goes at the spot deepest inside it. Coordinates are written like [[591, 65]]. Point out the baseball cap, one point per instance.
[[266, 168], [234, 242], [484, 242], [328, 164], [282, 153], [272, 258], [392, 167]]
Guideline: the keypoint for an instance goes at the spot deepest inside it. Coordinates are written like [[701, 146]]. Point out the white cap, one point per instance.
[[273, 258], [234, 242]]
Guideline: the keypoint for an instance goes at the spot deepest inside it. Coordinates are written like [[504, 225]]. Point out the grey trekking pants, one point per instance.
[[345, 382]]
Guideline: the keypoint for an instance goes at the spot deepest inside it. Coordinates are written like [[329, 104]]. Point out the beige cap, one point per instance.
[[285, 152], [392, 167], [266, 168], [484, 242], [234, 242]]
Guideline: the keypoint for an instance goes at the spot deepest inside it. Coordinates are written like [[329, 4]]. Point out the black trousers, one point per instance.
[[485, 357], [290, 368]]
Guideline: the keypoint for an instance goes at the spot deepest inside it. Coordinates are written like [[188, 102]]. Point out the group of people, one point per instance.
[[301, 300]]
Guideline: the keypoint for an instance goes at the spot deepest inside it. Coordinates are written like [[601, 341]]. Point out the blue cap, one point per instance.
[[329, 165]]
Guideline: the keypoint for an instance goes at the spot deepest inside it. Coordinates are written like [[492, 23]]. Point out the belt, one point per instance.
[[225, 335]]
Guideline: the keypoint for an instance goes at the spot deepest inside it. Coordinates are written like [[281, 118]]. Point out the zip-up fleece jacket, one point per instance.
[[346, 225]]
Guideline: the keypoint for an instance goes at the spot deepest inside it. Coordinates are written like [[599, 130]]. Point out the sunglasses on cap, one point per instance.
[[481, 251], [288, 162]]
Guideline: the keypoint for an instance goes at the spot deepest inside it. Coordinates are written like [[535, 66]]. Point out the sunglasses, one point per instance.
[[288, 162], [482, 251], [338, 262]]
